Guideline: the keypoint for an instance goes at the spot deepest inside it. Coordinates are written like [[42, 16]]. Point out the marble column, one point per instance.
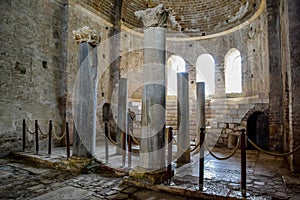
[[122, 116], [85, 93], [183, 133], [152, 153], [152, 158]]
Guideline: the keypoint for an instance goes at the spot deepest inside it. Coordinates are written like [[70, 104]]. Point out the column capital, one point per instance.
[[87, 34], [156, 17]]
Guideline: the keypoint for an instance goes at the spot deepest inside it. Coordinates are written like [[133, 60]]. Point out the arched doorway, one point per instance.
[[258, 130]]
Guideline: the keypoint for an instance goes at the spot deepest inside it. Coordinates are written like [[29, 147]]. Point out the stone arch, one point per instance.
[[205, 71], [233, 71], [175, 64]]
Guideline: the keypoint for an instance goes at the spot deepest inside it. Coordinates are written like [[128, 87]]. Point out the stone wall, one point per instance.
[[104, 8], [294, 66], [31, 69]]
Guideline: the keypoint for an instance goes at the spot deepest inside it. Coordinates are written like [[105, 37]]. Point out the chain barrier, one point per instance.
[[224, 158], [56, 136], [271, 153]]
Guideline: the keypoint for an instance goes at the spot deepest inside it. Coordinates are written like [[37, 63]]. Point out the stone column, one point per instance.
[[152, 153], [122, 115], [152, 150], [183, 133], [85, 93]]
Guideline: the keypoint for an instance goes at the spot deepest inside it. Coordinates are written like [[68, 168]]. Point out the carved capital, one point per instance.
[[87, 34], [156, 17]]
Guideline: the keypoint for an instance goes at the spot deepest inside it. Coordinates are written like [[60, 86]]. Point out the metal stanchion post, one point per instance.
[[68, 140], [129, 140], [129, 150], [36, 137], [169, 167], [243, 164], [201, 160], [24, 135], [123, 140], [50, 134], [106, 142]]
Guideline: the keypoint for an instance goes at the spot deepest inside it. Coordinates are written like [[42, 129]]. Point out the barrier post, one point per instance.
[[201, 159], [24, 135], [123, 142], [106, 142], [129, 150], [50, 135], [68, 140], [129, 135], [36, 137], [169, 167], [243, 163]]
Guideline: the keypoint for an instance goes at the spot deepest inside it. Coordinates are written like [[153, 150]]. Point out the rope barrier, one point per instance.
[[27, 129], [134, 139], [58, 137], [271, 153], [224, 158], [43, 134], [191, 150], [111, 140]]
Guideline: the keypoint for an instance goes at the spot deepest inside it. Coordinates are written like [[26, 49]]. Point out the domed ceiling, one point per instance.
[[196, 17]]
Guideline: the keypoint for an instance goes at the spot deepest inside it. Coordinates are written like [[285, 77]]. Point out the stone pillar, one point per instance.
[[85, 93], [183, 133], [122, 114], [152, 153], [200, 92]]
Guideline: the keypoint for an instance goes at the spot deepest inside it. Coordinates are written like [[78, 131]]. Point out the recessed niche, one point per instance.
[[45, 64]]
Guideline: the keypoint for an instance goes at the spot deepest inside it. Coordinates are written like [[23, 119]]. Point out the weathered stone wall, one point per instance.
[[104, 8], [39, 61], [294, 67], [31, 69]]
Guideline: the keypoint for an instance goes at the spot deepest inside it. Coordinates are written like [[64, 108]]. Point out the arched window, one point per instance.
[[205, 72], [233, 71], [174, 64]]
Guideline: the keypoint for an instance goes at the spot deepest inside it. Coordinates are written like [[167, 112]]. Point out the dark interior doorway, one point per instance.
[[258, 130]]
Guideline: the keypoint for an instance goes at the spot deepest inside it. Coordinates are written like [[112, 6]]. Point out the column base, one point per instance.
[[152, 176]]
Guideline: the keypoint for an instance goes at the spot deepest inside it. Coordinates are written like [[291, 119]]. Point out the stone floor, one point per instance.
[[41, 177]]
